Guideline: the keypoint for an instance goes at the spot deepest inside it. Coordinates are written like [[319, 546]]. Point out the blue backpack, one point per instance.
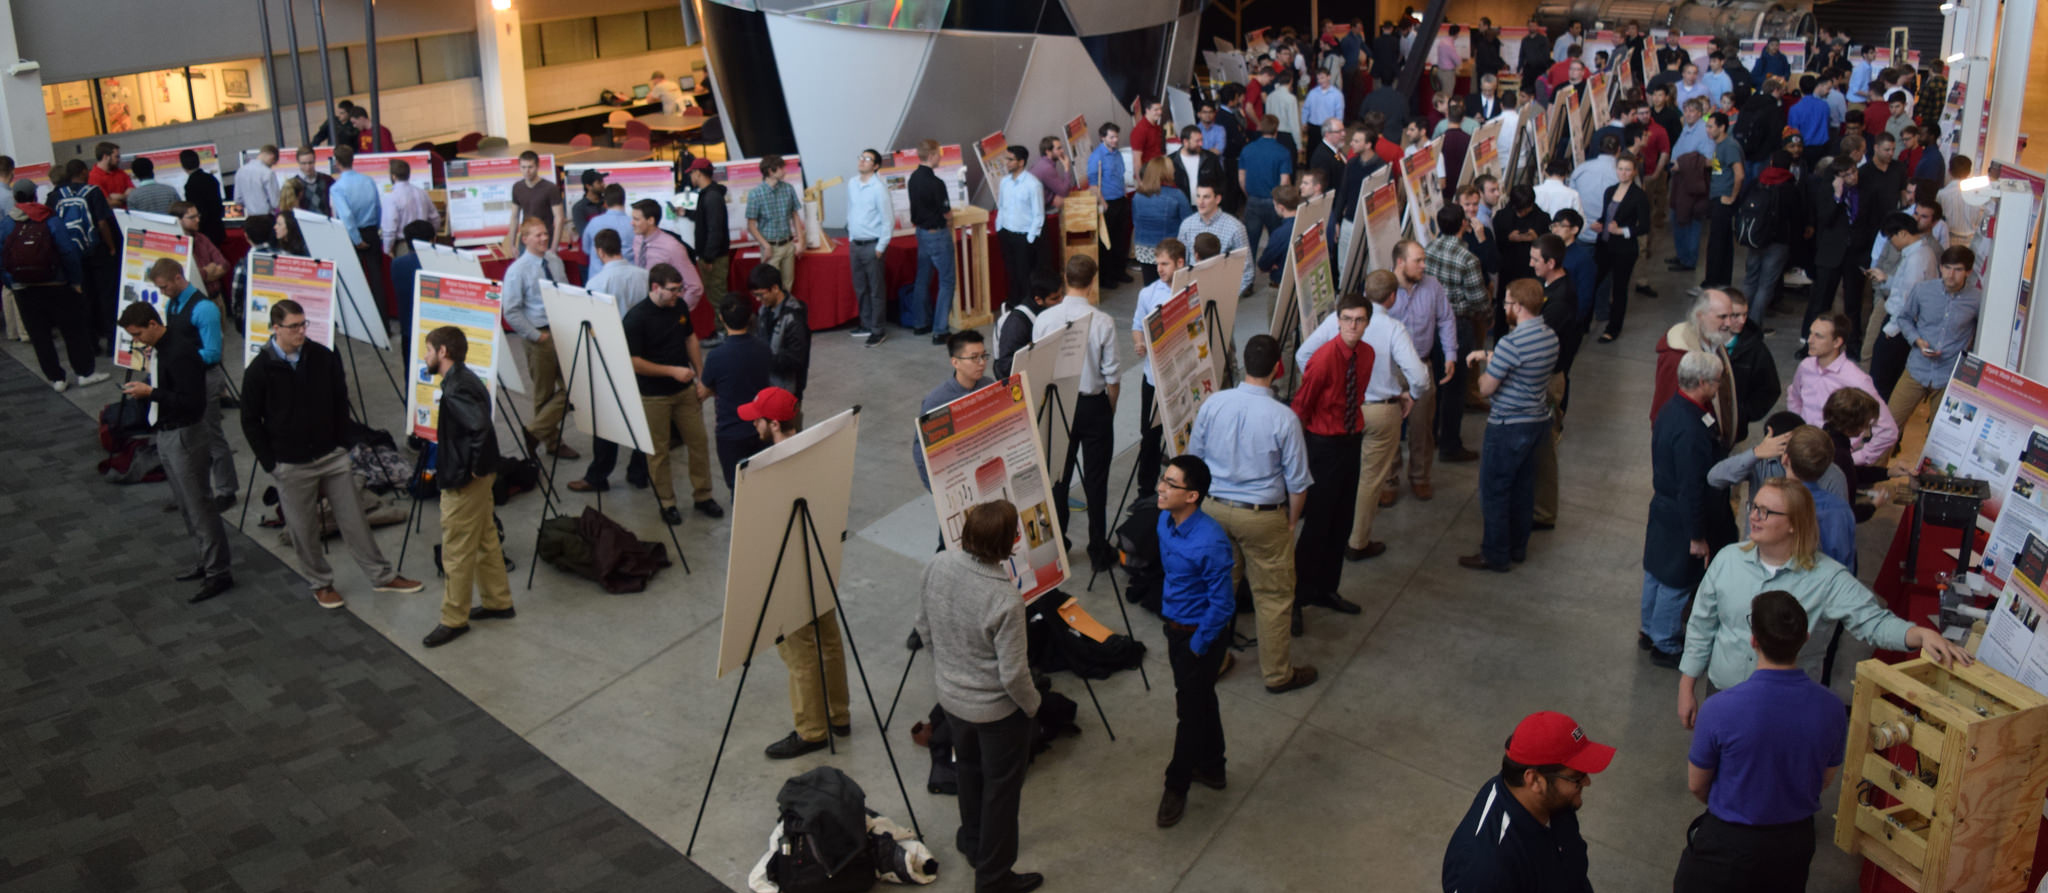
[[73, 220]]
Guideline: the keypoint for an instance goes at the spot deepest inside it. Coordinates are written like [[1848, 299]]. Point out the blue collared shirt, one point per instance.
[[292, 358], [1020, 205], [1149, 299], [1213, 137], [1264, 162], [1810, 116], [355, 199], [205, 318], [1947, 321], [870, 214], [1859, 80], [522, 303], [617, 221], [1694, 139], [1106, 172], [1253, 445], [1322, 104], [1837, 525], [1197, 589]]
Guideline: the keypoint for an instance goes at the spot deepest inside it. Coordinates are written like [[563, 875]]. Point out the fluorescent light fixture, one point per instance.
[[1954, 58], [1976, 184], [1949, 8]]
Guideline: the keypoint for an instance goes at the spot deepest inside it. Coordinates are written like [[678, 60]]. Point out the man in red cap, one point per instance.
[[774, 414], [1522, 832]]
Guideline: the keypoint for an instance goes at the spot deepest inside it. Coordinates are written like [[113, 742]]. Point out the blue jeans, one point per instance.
[[1685, 241], [935, 253], [1762, 274], [1507, 488], [1260, 217], [1664, 614]]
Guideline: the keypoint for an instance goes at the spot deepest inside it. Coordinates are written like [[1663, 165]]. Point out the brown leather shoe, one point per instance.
[[400, 584], [1304, 676], [1423, 491], [581, 486], [1479, 563], [327, 597], [565, 451], [1389, 496]]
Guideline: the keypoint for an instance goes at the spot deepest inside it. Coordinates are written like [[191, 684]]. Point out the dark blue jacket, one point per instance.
[[1682, 449]]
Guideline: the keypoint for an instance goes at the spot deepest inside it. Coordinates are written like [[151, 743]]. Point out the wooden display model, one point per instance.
[[972, 305], [1959, 813], [1080, 231]]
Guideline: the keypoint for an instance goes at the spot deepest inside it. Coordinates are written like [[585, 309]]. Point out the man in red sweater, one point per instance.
[[1148, 140]]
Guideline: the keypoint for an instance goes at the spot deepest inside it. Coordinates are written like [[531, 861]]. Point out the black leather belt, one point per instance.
[[1394, 399], [1246, 505], [774, 244], [865, 241]]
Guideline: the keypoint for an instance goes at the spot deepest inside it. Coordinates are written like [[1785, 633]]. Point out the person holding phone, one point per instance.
[[1939, 322]]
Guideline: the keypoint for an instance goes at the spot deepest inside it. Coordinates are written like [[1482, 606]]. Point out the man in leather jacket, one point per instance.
[[465, 466]]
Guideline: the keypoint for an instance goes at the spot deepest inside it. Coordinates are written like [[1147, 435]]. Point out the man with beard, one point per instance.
[[1522, 832]]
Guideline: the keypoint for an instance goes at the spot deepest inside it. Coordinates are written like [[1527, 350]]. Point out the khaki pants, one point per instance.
[[299, 488], [1546, 455], [1377, 455], [470, 553], [550, 396], [683, 410], [1421, 440], [714, 274], [783, 257], [1264, 548], [799, 651], [1907, 396]]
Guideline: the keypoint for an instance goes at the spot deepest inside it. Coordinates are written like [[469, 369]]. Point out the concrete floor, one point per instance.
[[1364, 774]]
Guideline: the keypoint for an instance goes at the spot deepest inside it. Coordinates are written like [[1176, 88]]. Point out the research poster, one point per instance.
[[1425, 194], [2013, 640], [467, 304], [377, 166], [1981, 426], [2024, 512], [1314, 290], [1079, 144], [1177, 339], [1485, 157], [640, 179], [273, 278], [992, 150], [951, 170], [983, 447], [480, 196], [740, 178], [141, 249], [168, 171], [1382, 220], [288, 161]]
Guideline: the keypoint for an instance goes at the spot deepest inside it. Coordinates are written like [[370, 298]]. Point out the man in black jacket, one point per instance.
[[713, 249], [1207, 166], [465, 467], [295, 413], [203, 191], [1533, 60], [186, 446], [786, 326]]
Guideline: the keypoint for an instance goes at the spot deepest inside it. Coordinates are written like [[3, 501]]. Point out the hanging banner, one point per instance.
[[273, 278], [2014, 643], [740, 178], [2024, 512], [1981, 426], [168, 171], [140, 250], [467, 304], [1177, 340], [480, 197], [984, 447], [951, 169]]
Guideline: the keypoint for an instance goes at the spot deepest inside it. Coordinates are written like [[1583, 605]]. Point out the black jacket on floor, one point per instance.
[[294, 414]]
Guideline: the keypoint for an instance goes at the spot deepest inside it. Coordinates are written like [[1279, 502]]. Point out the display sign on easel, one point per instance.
[[992, 150], [2022, 513], [1177, 340], [597, 367], [1357, 254], [1425, 191], [1485, 156], [275, 277], [141, 249], [1078, 146], [984, 447], [467, 304]]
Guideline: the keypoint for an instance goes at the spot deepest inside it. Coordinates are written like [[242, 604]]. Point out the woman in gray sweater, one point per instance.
[[973, 617]]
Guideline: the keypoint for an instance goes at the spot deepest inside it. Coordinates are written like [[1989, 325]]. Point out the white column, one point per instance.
[[2009, 81], [503, 63], [26, 136], [1976, 73], [2002, 272]]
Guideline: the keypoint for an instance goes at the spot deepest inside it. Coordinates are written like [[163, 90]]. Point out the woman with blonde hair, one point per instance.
[[1156, 212], [973, 617], [1783, 553]]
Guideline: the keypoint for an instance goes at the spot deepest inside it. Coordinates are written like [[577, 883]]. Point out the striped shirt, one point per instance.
[[1523, 362]]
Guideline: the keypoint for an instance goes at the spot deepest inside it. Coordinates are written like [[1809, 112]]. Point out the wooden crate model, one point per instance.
[[971, 304], [1958, 813], [1080, 230]]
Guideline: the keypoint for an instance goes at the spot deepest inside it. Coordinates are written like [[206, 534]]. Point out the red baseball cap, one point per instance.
[[700, 165], [1550, 738], [773, 404]]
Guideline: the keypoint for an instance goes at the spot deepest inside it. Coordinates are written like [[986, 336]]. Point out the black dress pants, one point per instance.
[[1020, 257], [1115, 267], [1888, 362], [1820, 299], [1198, 736], [1721, 855], [991, 758], [1720, 244], [1090, 440], [731, 451], [1617, 265], [60, 309], [1326, 515], [1149, 446], [1450, 396]]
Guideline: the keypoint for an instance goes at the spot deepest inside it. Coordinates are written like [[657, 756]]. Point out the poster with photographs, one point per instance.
[[1177, 339], [951, 169], [275, 277], [984, 447], [467, 304], [2014, 643], [1425, 191]]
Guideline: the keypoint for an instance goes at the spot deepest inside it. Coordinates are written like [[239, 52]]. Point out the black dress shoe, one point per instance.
[[1101, 557], [1339, 604], [843, 730], [1017, 882], [1542, 525], [212, 587], [639, 482], [1371, 550], [672, 515], [710, 509], [1215, 782], [1643, 642], [1464, 455], [1666, 659], [792, 747], [442, 635], [189, 576], [1172, 805], [921, 330], [482, 613], [940, 339]]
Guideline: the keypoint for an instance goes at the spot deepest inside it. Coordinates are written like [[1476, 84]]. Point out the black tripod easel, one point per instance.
[[808, 537], [1052, 410], [587, 338], [363, 325]]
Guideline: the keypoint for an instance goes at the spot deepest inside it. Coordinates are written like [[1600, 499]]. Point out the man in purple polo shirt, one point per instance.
[[1762, 752]]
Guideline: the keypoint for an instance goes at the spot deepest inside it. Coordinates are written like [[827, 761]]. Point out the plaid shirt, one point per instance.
[[1448, 261], [770, 205], [1227, 229]]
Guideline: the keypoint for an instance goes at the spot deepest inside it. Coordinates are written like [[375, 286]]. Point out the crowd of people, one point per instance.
[[1830, 180]]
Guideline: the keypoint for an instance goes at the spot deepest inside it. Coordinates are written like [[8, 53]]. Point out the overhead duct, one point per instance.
[[1740, 20]]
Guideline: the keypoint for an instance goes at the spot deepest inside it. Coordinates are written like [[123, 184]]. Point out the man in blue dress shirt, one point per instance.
[[358, 204], [614, 218], [1198, 601], [870, 224], [1106, 173]]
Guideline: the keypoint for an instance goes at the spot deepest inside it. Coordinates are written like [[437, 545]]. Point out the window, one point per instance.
[[602, 37], [309, 70], [398, 65], [665, 31], [448, 57], [564, 42], [622, 35], [83, 109]]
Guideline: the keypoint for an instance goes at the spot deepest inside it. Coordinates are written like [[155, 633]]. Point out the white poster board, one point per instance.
[[170, 173], [599, 378], [1180, 107], [1216, 280], [1054, 363], [983, 447], [1183, 364], [816, 466], [468, 304], [2014, 643], [356, 314], [141, 248], [2024, 512]]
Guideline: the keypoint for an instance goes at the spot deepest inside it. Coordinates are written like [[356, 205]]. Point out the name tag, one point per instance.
[[1707, 419]]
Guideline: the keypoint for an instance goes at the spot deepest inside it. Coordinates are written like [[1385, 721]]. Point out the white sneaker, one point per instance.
[[86, 381], [60, 386], [1798, 277]]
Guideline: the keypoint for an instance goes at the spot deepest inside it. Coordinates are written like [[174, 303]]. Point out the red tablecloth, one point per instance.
[[824, 280]]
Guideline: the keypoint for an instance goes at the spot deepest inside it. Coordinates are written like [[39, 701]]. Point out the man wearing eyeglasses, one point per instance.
[[1684, 445], [1198, 601], [968, 353], [1522, 832], [294, 413]]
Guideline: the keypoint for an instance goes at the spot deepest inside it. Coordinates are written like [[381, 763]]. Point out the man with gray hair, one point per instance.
[[1683, 446], [1708, 327]]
